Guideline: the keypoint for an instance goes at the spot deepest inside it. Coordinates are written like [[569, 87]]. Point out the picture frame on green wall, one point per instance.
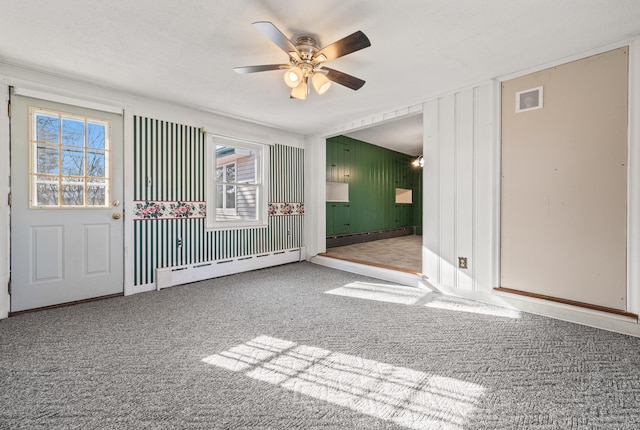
[[337, 192]]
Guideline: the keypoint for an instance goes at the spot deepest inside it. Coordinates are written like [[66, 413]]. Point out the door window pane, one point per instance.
[[72, 194], [96, 194], [72, 162], [47, 192], [47, 159], [47, 128], [95, 164], [96, 135], [72, 132]]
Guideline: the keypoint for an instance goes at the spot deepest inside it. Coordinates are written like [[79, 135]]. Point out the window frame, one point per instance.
[[261, 184], [60, 178]]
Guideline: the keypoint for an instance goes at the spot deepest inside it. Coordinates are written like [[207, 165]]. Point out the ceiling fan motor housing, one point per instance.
[[307, 46]]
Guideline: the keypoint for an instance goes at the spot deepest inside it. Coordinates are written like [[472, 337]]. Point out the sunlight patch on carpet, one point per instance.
[[409, 398], [380, 292], [467, 306]]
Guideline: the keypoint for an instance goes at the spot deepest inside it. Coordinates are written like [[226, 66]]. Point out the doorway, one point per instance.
[[374, 195]]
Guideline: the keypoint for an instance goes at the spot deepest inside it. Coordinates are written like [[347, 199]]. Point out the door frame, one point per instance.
[[76, 98], [5, 242]]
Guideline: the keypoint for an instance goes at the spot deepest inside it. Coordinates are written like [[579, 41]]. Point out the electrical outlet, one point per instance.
[[462, 262]]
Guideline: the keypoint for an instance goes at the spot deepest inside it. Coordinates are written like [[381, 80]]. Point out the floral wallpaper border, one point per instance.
[[286, 208], [168, 210], [150, 210]]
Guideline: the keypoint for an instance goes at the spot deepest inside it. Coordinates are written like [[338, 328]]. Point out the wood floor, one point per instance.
[[399, 253]]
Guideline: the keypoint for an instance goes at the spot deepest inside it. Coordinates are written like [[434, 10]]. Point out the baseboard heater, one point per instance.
[[178, 275]]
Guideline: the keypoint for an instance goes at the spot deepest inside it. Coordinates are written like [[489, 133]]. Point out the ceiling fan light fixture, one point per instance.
[[293, 77], [306, 60], [300, 92], [320, 82]]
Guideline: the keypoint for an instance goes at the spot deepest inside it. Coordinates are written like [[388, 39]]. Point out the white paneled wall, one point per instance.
[[461, 189]]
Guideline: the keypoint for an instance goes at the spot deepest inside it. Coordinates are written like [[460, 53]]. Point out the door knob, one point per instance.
[[116, 203], [116, 215]]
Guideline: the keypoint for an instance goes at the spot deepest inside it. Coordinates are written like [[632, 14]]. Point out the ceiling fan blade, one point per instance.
[[352, 43], [344, 79], [273, 34], [263, 68]]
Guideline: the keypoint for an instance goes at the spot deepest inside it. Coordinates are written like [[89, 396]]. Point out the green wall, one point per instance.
[[373, 174]]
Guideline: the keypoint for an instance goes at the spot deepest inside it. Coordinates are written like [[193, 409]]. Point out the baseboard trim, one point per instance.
[[410, 279], [560, 311], [142, 288], [62, 305], [568, 302]]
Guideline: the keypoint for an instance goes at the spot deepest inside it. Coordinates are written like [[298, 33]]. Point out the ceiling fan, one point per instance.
[[306, 61]]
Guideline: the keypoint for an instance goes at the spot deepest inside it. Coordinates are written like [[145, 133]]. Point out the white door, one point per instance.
[[66, 216]]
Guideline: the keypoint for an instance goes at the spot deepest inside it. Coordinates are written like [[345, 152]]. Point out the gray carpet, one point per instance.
[[307, 347]]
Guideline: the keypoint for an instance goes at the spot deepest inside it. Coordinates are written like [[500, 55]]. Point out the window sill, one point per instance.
[[221, 226]]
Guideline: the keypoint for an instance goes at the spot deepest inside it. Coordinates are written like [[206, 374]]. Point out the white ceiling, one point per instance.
[[402, 135], [184, 51]]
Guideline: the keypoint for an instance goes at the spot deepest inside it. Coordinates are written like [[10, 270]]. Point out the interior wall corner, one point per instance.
[[633, 188], [315, 194]]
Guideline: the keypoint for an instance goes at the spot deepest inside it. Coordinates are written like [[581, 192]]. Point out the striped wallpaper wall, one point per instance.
[[169, 202]]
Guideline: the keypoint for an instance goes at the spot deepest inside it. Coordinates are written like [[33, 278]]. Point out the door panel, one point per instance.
[[46, 253], [64, 254], [97, 254]]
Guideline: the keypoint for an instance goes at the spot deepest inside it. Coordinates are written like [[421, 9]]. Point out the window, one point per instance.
[[69, 164], [236, 183]]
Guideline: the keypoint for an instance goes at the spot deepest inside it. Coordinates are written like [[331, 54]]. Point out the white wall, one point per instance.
[[462, 199], [315, 215], [461, 213], [461, 189]]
